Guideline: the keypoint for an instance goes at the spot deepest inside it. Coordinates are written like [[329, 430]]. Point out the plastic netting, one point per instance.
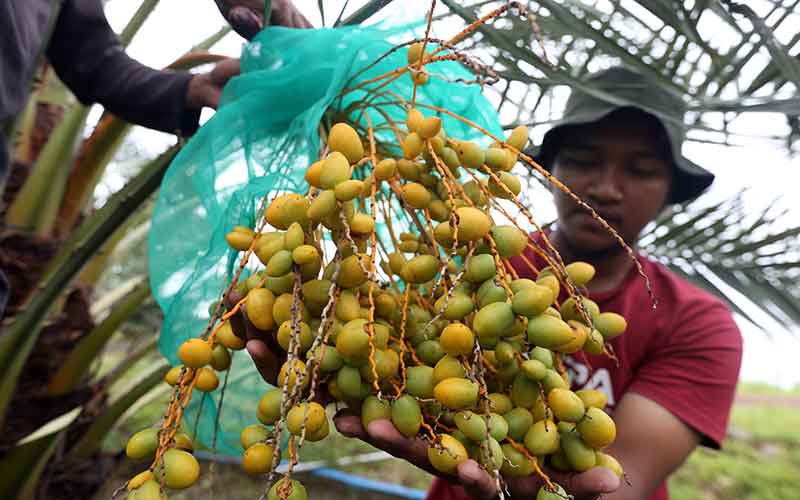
[[260, 141]]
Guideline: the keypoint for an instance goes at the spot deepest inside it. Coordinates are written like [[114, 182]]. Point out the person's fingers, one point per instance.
[[270, 339], [238, 325], [245, 21], [524, 487], [233, 298], [589, 484], [246, 330], [241, 324], [205, 89], [211, 84], [237, 321], [381, 433], [284, 13], [212, 96], [262, 346], [385, 435], [475, 480], [584, 486], [265, 360], [224, 71], [349, 425], [323, 397]]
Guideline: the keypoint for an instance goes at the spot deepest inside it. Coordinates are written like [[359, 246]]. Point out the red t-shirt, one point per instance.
[[685, 355]]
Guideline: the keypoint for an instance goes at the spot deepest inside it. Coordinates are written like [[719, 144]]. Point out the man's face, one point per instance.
[[617, 167]]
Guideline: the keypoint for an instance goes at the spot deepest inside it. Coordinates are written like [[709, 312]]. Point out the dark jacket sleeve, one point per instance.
[[90, 59]]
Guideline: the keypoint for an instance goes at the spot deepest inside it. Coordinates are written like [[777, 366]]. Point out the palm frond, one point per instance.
[[721, 56], [723, 245], [724, 59]]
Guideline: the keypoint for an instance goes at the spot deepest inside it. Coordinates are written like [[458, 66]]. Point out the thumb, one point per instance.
[[590, 484], [265, 360], [476, 481], [224, 71]]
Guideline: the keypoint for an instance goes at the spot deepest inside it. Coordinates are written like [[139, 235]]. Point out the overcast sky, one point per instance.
[[177, 24]]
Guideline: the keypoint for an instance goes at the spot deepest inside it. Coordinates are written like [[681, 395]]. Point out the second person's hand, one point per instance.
[[246, 17], [205, 89]]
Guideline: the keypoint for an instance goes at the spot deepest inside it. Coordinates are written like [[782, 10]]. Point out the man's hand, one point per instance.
[[246, 17], [205, 88], [267, 355], [263, 347], [476, 481]]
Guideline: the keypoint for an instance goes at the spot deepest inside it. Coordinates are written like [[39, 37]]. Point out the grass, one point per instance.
[[761, 459], [742, 472], [764, 389]]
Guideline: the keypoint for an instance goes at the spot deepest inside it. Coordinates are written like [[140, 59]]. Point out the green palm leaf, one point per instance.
[[720, 243], [722, 57]]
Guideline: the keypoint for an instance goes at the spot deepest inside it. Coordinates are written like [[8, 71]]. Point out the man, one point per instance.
[[87, 55], [678, 364]]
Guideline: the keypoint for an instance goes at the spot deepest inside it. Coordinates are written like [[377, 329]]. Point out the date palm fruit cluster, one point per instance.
[[430, 327]]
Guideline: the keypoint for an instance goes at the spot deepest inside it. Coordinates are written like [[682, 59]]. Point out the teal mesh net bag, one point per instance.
[[264, 135]]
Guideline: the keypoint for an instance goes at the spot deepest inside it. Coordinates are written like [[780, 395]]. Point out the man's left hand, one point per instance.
[[205, 89]]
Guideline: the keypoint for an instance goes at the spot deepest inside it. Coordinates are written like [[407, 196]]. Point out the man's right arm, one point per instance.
[[680, 397], [651, 443]]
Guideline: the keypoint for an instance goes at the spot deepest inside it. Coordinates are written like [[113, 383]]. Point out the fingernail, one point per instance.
[[374, 428], [609, 483], [344, 427], [253, 347]]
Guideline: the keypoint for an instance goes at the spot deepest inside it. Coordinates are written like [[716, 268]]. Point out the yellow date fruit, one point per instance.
[[610, 325], [456, 393], [374, 409], [597, 429], [472, 425], [283, 490], [549, 332], [580, 456], [420, 381], [406, 415], [472, 224], [542, 438], [336, 169], [344, 139], [143, 444], [257, 458], [313, 414], [181, 469], [253, 434], [195, 353], [566, 405], [259, 308], [447, 455], [457, 339]]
